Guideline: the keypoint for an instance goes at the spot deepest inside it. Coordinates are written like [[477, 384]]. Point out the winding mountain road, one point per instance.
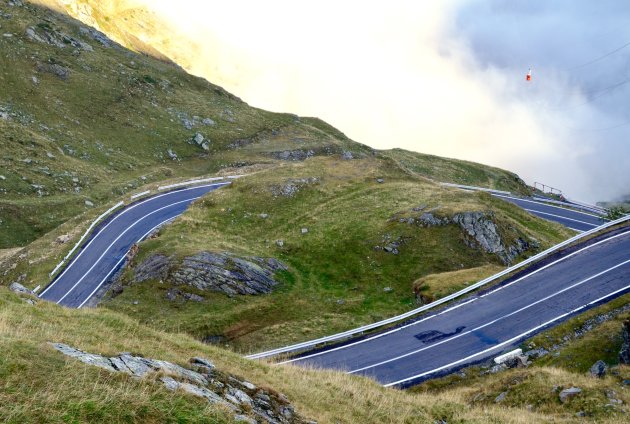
[[484, 324], [574, 219], [105, 251]]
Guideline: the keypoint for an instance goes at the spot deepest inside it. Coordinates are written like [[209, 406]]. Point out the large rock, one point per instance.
[[624, 353], [569, 393], [599, 369], [19, 288], [222, 272], [481, 231], [245, 400]]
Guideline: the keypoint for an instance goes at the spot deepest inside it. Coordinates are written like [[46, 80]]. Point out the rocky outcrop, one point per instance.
[[479, 228], [566, 394], [155, 267], [292, 186], [248, 402], [219, 272], [624, 353], [598, 369], [44, 33], [224, 273]]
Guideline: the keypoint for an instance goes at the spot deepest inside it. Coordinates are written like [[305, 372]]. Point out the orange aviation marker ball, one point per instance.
[[529, 75]]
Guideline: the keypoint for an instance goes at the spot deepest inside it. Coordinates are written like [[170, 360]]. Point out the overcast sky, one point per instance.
[[445, 78]]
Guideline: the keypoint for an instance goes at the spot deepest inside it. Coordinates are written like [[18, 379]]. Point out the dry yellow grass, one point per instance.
[[326, 396]]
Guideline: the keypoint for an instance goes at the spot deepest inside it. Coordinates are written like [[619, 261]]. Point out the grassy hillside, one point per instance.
[[39, 384], [332, 233]]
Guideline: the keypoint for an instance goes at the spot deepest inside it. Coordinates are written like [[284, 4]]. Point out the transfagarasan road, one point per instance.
[[485, 324], [106, 250]]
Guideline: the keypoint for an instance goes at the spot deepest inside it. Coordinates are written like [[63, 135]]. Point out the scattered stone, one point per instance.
[[63, 239], [2, 177], [264, 216], [341, 302], [135, 302], [501, 397], [89, 204], [208, 122], [55, 69], [192, 297], [293, 155], [346, 155], [304, 230], [580, 414], [280, 243], [172, 154], [241, 397], [598, 369], [388, 289], [19, 288], [380, 180], [566, 394], [292, 186]]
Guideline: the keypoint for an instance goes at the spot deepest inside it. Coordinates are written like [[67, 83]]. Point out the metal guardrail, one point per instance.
[[85, 234], [119, 204], [359, 330]]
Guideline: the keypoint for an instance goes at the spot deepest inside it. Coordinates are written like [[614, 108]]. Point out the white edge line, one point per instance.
[[453, 307], [507, 342], [112, 221], [118, 263], [563, 217], [387, 361], [92, 225], [118, 238], [548, 205], [438, 302]]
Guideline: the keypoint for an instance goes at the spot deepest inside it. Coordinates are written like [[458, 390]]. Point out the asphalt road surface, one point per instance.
[[105, 252], [576, 220], [486, 324]]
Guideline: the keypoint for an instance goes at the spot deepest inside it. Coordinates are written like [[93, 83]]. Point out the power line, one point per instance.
[[590, 62]]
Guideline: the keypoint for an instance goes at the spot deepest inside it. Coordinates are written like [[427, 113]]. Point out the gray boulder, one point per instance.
[[566, 394], [599, 369], [19, 288]]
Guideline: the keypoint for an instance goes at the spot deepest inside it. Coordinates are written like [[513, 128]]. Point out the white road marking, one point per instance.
[[121, 259], [118, 238], [510, 341], [455, 306], [493, 321], [546, 204], [112, 221], [563, 217]]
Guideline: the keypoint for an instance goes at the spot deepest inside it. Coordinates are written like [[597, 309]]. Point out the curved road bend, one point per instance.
[[106, 250], [576, 220], [485, 324]]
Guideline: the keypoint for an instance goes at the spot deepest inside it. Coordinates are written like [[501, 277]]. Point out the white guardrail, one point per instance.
[[85, 234], [119, 204], [358, 330]]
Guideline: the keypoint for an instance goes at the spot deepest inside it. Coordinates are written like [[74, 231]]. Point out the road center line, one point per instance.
[[118, 238], [493, 321], [563, 217], [454, 306], [123, 212], [510, 341]]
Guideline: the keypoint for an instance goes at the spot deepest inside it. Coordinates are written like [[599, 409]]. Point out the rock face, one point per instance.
[[220, 272], [19, 288], [227, 274], [248, 402], [624, 353], [483, 232]]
